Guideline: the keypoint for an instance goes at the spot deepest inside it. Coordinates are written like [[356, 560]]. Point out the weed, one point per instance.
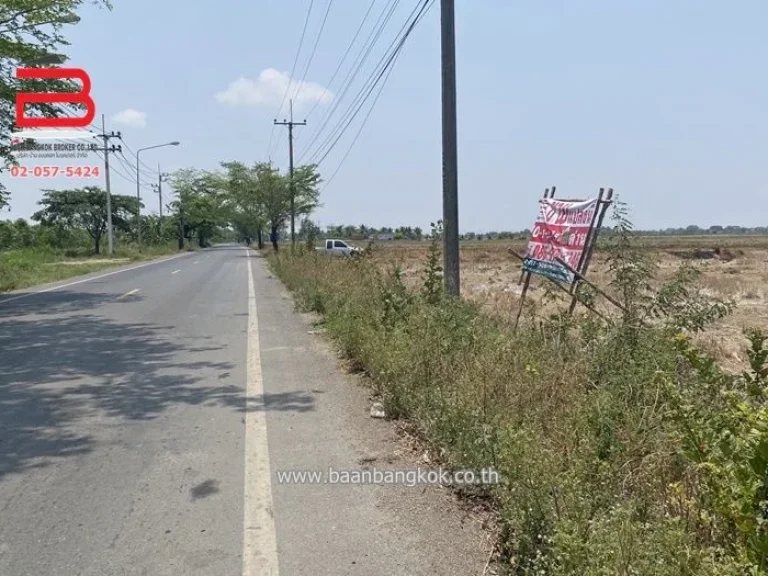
[[621, 447]]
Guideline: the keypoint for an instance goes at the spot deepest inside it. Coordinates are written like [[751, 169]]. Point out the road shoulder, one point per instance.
[[319, 417]]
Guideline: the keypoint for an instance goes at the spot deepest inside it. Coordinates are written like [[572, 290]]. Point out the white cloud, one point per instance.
[[131, 117], [269, 89]]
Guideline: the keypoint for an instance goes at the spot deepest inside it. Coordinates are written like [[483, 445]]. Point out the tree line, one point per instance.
[[361, 232], [236, 202]]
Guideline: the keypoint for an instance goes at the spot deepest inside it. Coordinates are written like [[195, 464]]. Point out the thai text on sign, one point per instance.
[[561, 232]]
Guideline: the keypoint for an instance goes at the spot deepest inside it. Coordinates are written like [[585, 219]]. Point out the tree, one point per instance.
[[275, 198], [199, 207], [244, 202], [306, 181], [85, 209], [31, 34], [309, 231], [275, 193]]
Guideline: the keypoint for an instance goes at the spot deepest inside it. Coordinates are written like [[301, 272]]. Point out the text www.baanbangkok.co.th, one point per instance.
[[406, 477]]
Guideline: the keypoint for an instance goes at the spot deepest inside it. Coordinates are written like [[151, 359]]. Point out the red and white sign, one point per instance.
[[561, 232]]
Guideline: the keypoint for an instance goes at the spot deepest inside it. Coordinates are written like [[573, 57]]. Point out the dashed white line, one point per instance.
[[259, 537], [130, 293], [175, 271]]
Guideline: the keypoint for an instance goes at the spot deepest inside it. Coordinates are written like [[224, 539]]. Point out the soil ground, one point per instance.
[[734, 267]]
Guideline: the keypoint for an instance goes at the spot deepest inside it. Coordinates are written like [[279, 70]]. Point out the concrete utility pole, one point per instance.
[[159, 189], [450, 152], [107, 149], [160, 179], [290, 125], [138, 186]]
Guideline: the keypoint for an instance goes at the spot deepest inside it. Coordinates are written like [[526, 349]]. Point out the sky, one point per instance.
[[664, 101]]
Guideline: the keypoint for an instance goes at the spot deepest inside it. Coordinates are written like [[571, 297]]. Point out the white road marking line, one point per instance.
[[52, 288], [175, 271], [259, 537], [196, 262], [131, 293]]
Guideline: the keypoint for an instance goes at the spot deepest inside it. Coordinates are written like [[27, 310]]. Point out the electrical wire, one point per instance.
[[422, 14], [343, 58], [131, 169], [374, 35], [370, 84], [144, 173], [148, 172], [330, 142], [113, 169], [312, 54], [360, 131], [376, 32], [293, 71]]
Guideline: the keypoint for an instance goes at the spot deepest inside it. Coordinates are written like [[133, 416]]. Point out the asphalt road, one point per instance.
[[145, 415]]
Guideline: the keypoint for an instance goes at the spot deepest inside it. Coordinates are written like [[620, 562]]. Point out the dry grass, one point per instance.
[[490, 277]]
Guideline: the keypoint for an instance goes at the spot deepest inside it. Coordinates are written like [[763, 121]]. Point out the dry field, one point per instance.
[[490, 278]]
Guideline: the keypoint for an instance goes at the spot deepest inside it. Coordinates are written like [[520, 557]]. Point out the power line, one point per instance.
[[343, 58], [148, 172], [373, 37], [118, 172], [422, 14], [365, 51], [131, 167], [370, 84], [314, 50], [360, 131], [363, 96], [127, 175], [293, 71]]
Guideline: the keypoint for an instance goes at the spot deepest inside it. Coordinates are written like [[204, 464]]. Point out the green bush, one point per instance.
[[622, 449]]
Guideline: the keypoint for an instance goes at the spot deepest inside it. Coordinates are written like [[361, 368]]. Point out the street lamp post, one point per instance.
[[138, 187]]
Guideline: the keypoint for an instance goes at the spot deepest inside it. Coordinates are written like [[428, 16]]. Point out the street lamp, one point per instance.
[[138, 186]]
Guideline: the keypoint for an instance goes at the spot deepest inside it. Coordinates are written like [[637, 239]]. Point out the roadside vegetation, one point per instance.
[[68, 235], [33, 254], [623, 448]]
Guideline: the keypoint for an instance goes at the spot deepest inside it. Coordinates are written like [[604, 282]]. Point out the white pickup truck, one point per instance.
[[339, 248]]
